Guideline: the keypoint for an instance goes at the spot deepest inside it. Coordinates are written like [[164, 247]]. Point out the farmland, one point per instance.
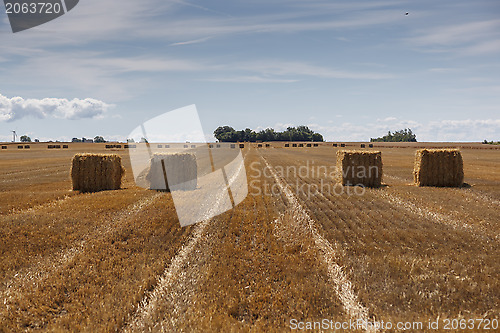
[[119, 260]]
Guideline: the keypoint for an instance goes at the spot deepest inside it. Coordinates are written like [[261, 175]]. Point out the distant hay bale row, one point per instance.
[[438, 167], [4, 147], [359, 168], [172, 172], [54, 146], [113, 146], [96, 172]]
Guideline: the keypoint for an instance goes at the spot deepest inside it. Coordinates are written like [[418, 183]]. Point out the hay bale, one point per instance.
[[370, 145], [268, 145], [308, 145], [363, 145], [172, 172], [65, 146], [315, 145], [335, 145], [287, 145], [259, 145], [20, 147], [359, 168], [4, 147], [242, 145], [342, 145], [438, 167], [96, 172]]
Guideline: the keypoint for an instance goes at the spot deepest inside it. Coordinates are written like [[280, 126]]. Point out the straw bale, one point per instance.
[[438, 167], [359, 167], [96, 172], [181, 169]]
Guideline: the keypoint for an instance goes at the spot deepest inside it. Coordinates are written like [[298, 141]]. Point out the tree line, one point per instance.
[[300, 133], [405, 135]]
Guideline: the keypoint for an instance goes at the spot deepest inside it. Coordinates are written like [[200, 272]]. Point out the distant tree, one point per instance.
[[76, 140], [223, 131], [405, 135], [99, 139], [143, 140], [25, 138], [301, 133], [316, 137], [130, 140], [37, 140]]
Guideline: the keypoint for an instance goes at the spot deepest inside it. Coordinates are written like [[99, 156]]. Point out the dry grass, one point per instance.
[[84, 262]]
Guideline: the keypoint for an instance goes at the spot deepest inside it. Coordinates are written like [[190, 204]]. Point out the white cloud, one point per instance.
[[16, 108], [468, 130]]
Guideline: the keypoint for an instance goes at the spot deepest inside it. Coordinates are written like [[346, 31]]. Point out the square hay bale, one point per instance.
[[363, 145], [27, 147], [181, 169], [308, 145], [268, 145], [242, 145], [96, 172], [294, 145], [370, 145], [20, 147], [4, 147], [301, 145], [359, 168], [287, 145], [259, 145], [335, 145], [65, 146], [342, 145], [438, 167], [315, 145]]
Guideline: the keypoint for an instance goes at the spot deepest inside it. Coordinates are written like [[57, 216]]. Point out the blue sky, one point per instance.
[[349, 69]]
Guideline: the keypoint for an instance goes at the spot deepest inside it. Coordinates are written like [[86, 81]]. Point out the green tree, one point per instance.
[[404, 135], [99, 139], [25, 138]]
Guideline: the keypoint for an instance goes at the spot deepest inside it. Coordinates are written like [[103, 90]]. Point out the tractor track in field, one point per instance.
[[342, 285], [176, 286], [48, 265], [435, 217]]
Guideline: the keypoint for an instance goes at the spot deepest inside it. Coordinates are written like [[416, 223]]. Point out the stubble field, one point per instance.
[[298, 247]]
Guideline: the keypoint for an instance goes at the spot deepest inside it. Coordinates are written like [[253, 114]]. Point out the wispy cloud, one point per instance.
[[16, 108], [470, 38], [189, 42], [272, 67], [249, 79]]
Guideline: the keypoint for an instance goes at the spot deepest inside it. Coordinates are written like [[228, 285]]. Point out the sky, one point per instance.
[[350, 70]]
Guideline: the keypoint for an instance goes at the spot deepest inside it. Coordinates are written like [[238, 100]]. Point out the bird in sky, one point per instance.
[[407, 13]]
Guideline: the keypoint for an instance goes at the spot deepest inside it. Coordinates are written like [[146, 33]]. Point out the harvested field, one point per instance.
[[300, 246]]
